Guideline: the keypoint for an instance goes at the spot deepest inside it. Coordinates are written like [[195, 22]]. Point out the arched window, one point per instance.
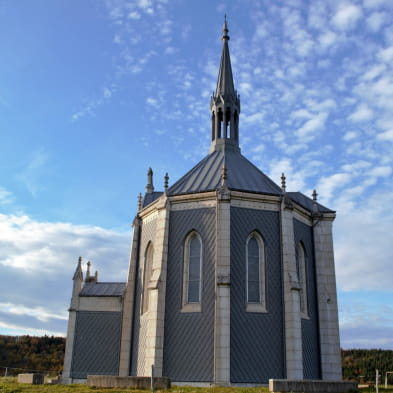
[[192, 273], [147, 270], [255, 274], [301, 272]]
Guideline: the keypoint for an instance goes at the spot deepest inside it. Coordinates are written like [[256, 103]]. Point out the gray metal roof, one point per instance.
[[150, 197], [242, 175], [307, 202], [103, 289]]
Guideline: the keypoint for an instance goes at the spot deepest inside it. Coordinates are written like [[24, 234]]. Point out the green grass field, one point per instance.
[[9, 385]]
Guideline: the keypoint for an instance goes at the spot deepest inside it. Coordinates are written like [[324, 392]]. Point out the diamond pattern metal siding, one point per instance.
[[257, 339], [139, 326], [310, 335], [96, 344], [189, 336]]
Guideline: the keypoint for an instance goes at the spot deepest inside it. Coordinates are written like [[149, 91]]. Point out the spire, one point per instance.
[[78, 271], [225, 102]]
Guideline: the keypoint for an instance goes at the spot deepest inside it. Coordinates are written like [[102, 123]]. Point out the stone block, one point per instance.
[[311, 386], [110, 381], [33, 379]]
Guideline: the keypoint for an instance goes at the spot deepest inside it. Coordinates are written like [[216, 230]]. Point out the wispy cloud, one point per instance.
[[33, 173]]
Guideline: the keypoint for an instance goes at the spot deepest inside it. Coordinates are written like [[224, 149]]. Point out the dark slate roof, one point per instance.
[[150, 197], [103, 289], [242, 175], [307, 202]]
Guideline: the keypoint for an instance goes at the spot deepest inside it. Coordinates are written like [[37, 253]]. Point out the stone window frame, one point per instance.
[[259, 307], [186, 305], [301, 270], [147, 272]]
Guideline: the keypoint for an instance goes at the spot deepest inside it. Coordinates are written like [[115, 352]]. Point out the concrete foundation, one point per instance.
[[309, 386], [33, 379], [110, 381]]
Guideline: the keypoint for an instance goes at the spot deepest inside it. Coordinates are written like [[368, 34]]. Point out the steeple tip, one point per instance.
[[225, 30]]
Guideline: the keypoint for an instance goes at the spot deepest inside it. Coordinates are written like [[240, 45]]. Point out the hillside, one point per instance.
[[360, 364], [24, 353]]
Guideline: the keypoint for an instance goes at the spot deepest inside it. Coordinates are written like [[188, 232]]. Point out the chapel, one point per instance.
[[231, 277]]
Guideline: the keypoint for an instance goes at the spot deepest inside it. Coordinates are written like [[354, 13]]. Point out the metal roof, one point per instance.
[[307, 202], [242, 175], [103, 289], [150, 197]]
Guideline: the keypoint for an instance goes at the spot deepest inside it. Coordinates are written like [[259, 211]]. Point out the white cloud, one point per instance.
[[134, 15], [386, 136], [6, 197], [362, 113], [39, 313], [350, 135], [310, 127], [363, 245], [39, 258], [346, 16], [374, 72], [327, 39], [386, 54], [376, 20], [36, 247], [152, 101], [373, 3], [32, 174], [329, 185]]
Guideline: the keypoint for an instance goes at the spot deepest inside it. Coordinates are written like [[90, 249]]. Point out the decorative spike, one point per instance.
[[314, 195], [139, 201], [283, 182], [166, 180], [87, 279]]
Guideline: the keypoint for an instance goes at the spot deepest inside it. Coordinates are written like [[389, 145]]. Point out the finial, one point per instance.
[[315, 208], [225, 29], [283, 182], [139, 201], [87, 279], [223, 176], [166, 180], [149, 185]]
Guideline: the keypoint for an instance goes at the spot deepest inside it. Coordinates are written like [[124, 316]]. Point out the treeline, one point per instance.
[[360, 364], [28, 353]]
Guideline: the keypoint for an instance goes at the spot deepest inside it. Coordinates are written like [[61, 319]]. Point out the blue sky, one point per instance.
[[94, 92]]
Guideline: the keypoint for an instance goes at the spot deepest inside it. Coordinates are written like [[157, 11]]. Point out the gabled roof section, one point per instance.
[[109, 289], [307, 202], [242, 175]]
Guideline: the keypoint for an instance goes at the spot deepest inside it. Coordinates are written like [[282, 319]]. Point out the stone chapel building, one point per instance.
[[231, 277]]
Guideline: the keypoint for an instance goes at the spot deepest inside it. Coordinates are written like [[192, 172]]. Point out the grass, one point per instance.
[[9, 385]]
